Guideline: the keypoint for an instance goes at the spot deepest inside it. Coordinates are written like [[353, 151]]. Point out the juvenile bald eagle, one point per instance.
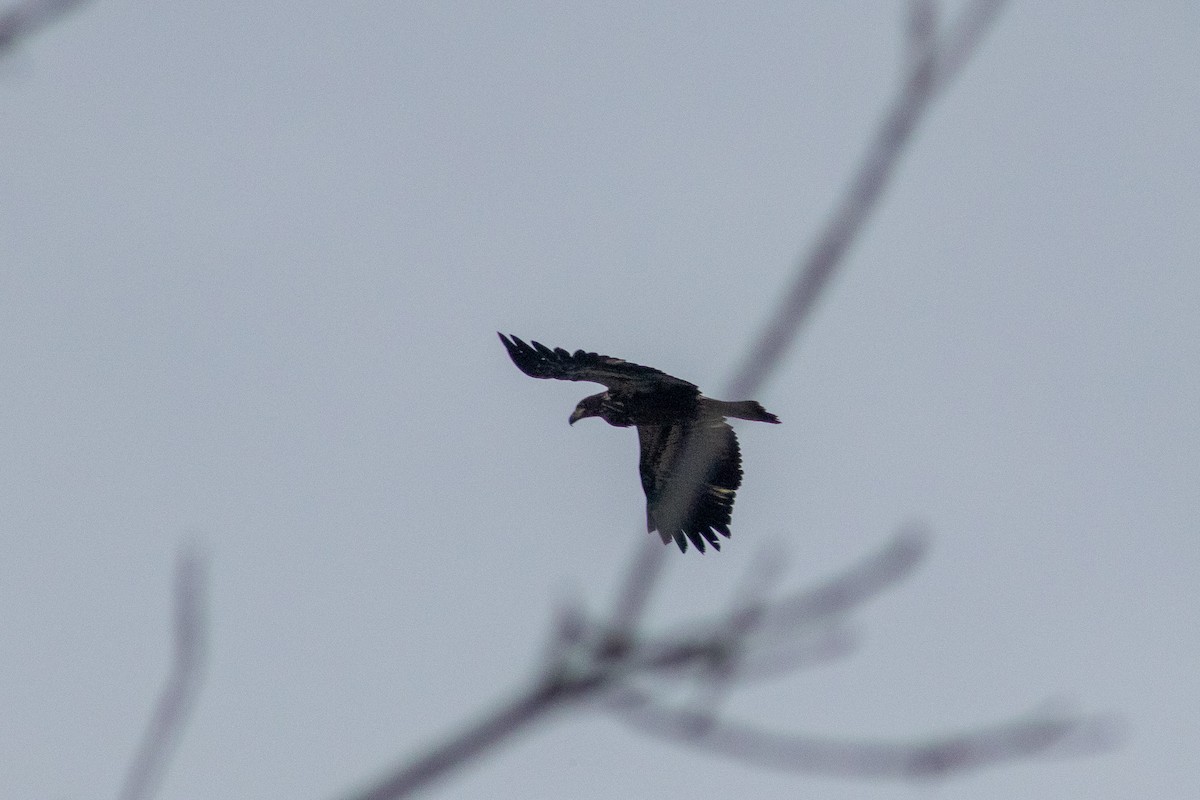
[[669, 414]]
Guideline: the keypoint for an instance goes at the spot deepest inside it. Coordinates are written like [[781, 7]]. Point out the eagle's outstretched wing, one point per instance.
[[709, 503], [538, 361]]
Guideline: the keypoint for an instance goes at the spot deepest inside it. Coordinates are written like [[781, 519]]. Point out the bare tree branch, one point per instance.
[[875, 574], [922, 32], [773, 621], [750, 602], [818, 647], [502, 724], [939, 63], [1039, 733], [178, 695], [582, 664], [26, 19]]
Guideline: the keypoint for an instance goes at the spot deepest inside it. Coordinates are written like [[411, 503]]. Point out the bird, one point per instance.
[[671, 416]]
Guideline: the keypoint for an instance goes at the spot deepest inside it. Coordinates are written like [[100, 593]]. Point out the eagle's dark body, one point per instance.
[[671, 417]]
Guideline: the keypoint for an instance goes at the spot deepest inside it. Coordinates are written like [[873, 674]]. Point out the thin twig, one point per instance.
[[576, 673], [876, 573], [714, 637], [1036, 734], [819, 647], [26, 19], [750, 601], [921, 36], [927, 77], [764, 635], [178, 695], [943, 59]]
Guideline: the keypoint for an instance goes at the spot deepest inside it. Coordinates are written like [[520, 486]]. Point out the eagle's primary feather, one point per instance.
[[670, 415]]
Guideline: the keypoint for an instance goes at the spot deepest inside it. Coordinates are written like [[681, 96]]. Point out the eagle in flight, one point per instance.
[[669, 414]]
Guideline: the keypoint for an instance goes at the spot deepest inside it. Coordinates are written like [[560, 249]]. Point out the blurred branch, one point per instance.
[[773, 621], [873, 575], [178, 695], [514, 715], [747, 610], [1039, 733], [26, 19], [933, 63], [586, 662]]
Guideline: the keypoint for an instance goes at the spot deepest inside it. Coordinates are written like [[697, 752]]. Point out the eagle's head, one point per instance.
[[588, 407]]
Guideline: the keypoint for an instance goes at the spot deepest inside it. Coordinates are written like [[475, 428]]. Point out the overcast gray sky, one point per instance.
[[252, 259]]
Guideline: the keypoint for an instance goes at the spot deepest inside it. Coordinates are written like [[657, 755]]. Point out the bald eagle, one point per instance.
[[669, 414]]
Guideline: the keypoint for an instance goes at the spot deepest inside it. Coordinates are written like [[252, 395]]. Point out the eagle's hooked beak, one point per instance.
[[576, 415]]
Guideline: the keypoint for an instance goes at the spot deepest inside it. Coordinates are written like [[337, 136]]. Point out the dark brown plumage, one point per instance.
[[669, 414]]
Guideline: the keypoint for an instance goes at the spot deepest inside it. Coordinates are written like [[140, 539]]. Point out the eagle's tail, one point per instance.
[[742, 409]]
